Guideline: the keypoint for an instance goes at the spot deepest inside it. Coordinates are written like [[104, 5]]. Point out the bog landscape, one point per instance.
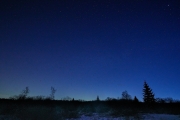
[[23, 107], [89, 59]]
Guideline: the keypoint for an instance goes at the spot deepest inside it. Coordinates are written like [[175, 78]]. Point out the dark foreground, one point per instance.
[[61, 110]]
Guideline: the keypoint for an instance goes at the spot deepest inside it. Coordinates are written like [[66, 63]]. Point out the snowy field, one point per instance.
[[65, 110], [140, 117]]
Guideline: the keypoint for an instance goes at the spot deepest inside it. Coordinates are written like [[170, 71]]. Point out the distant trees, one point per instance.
[[52, 93], [22, 95], [39, 97], [165, 100], [135, 99], [97, 99], [25, 92], [67, 98], [110, 99], [126, 96], [148, 95]]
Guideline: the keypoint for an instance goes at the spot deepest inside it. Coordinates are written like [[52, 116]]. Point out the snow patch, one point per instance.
[[141, 117]]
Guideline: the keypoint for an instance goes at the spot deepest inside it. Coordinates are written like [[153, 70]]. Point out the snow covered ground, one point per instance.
[[140, 117], [161, 117]]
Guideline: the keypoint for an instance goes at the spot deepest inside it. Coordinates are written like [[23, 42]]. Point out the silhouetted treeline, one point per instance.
[[148, 97], [122, 105]]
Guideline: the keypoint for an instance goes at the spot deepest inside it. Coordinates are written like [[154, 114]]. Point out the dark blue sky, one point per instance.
[[89, 48]]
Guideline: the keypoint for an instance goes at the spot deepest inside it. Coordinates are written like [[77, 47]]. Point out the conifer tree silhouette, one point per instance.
[[135, 99], [148, 95], [97, 99]]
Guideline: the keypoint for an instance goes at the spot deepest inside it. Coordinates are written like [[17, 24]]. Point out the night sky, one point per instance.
[[85, 48]]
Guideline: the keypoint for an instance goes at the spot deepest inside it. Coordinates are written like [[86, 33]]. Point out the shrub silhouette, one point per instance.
[[52, 93], [126, 96], [21, 96]]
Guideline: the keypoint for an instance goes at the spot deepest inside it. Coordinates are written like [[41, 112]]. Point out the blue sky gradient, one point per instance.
[[89, 48]]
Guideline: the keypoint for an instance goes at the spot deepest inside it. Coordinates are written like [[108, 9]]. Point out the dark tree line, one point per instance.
[[24, 95], [148, 96]]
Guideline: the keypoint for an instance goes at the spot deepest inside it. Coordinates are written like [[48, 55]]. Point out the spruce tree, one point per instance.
[[148, 95], [97, 99], [135, 99]]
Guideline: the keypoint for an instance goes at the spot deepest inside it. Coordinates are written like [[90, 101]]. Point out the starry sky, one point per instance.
[[85, 48]]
